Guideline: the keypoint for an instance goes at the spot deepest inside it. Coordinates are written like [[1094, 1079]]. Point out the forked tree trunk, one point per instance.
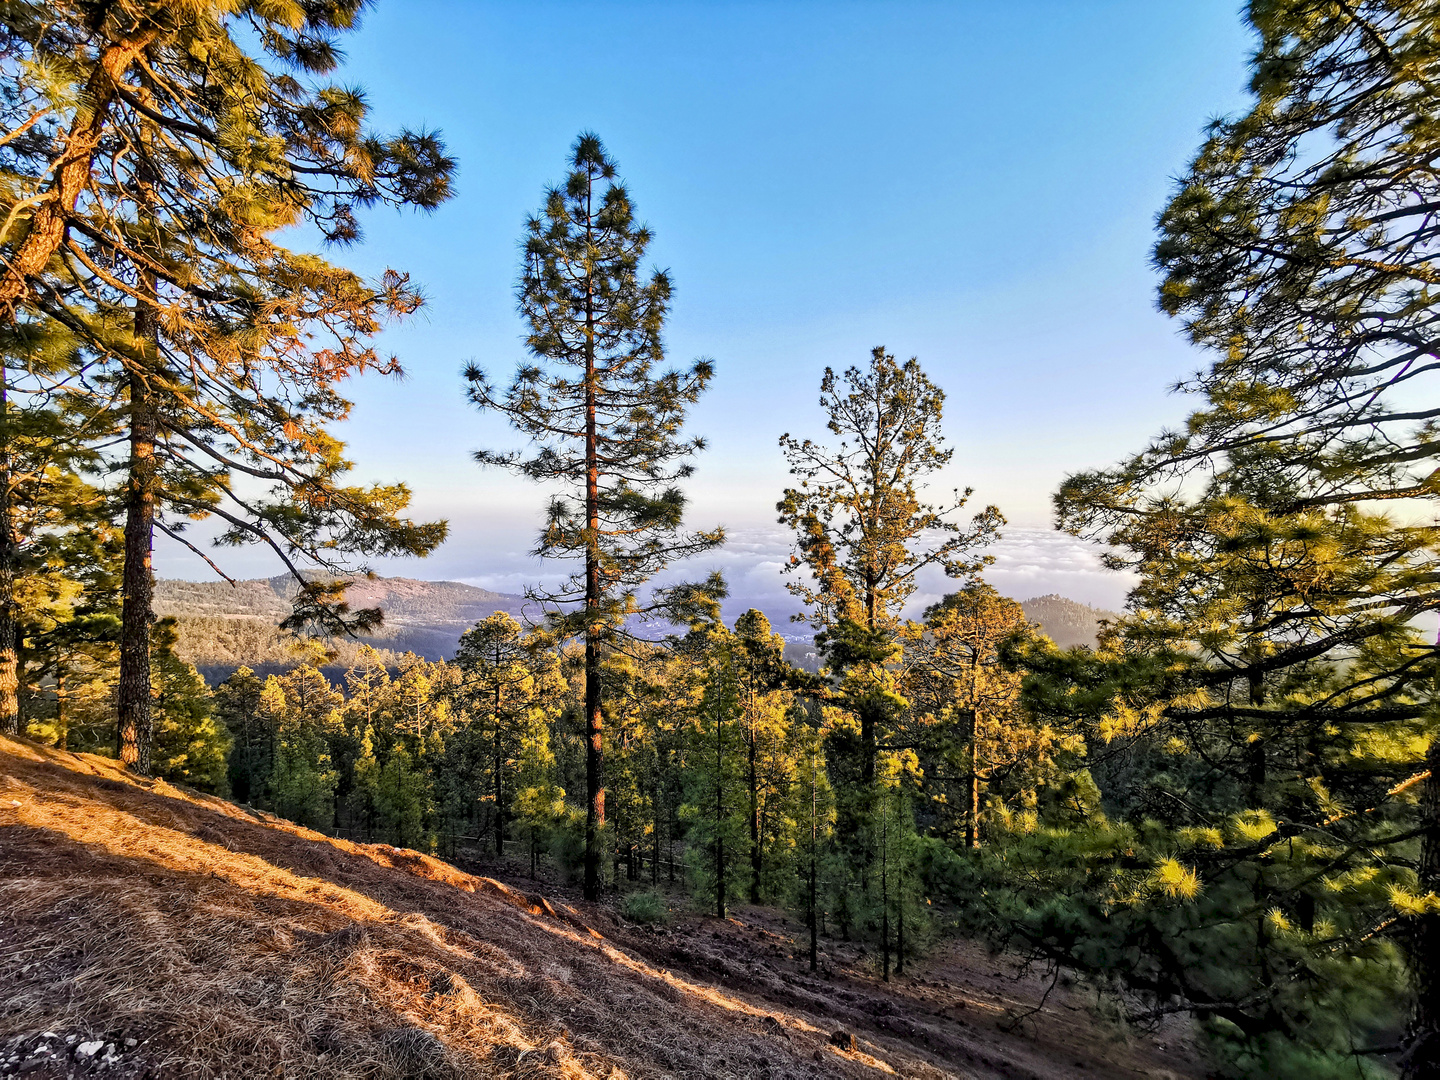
[[70, 172]]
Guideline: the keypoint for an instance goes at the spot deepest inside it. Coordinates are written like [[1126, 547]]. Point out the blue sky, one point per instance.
[[971, 183]]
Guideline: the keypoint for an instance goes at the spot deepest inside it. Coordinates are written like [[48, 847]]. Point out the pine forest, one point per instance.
[[1205, 828]]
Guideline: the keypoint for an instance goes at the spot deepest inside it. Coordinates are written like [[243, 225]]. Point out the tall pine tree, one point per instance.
[[863, 532], [605, 422]]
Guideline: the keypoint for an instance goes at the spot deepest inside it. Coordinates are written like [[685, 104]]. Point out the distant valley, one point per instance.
[[224, 626]]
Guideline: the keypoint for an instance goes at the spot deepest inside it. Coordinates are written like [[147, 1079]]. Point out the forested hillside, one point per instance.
[[224, 626], [1068, 623]]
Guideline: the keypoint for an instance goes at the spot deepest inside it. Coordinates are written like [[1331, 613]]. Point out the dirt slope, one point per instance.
[[150, 931]]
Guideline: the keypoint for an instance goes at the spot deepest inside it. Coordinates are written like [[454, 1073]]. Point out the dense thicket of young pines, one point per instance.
[[1228, 808]]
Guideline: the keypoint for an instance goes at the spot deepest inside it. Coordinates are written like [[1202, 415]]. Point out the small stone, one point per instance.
[[89, 1049], [131, 1043], [49, 1035]]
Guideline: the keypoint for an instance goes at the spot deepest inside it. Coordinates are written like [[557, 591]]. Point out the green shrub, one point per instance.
[[645, 907]]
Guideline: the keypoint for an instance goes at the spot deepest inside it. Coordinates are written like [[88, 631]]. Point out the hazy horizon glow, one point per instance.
[[971, 184]]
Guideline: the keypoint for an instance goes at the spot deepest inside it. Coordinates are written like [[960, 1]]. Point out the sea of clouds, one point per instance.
[[1028, 562]]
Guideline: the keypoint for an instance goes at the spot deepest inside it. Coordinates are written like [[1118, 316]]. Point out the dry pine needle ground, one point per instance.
[[225, 943]]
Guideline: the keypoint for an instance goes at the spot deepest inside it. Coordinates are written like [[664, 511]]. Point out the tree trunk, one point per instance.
[[655, 844], [62, 719], [9, 557], [719, 819], [814, 921], [753, 749], [499, 794], [885, 898], [972, 781], [1421, 1060], [138, 579], [594, 751], [900, 923], [972, 790], [136, 614]]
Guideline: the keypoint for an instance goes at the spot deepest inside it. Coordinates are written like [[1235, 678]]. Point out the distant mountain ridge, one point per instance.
[[424, 617], [224, 625], [1066, 622]]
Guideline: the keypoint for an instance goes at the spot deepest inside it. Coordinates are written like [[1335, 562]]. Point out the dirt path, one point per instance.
[[149, 931]]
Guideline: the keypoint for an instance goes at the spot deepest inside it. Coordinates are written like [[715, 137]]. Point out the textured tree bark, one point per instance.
[[9, 556], [594, 721], [138, 580], [1421, 1060], [136, 608], [753, 750], [70, 171]]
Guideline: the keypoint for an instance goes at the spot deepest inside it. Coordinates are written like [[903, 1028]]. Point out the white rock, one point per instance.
[[88, 1049]]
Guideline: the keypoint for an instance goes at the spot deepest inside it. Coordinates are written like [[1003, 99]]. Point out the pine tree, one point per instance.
[[403, 799], [1268, 675], [508, 683], [303, 709], [958, 681], [189, 745], [813, 808], [761, 672], [715, 772], [50, 513], [862, 530], [364, 796], [221, 350], [252, 735], [606, 424]]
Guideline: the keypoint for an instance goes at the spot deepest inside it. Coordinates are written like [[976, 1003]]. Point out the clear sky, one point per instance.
[[973, 183]]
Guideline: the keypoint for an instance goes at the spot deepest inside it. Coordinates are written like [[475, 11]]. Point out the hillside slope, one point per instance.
[[149, 931], [1066, 622], [424, 617]]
